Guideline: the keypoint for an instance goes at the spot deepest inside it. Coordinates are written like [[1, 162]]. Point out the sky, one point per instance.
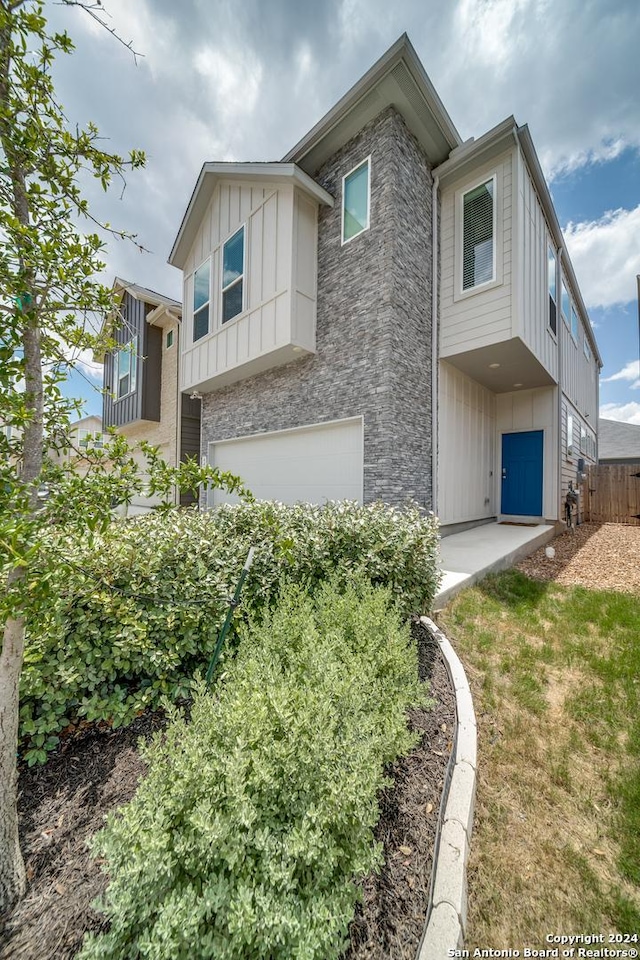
[[221, 80]]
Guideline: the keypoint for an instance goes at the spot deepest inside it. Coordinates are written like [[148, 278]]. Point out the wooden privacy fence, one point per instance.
[[611, 493]]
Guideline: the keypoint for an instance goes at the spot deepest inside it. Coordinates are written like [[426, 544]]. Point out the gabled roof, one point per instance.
[[212, 173], [617, 440], [144, 294], [399, 79]]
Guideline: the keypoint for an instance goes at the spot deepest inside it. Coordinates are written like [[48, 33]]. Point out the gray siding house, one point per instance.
[[141, 398], [388, 313]]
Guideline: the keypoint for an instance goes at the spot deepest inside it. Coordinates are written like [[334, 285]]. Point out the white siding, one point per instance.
[[532, 410], [466, 432], [279, 286], [485, 317], [579, 375], [531, 321]]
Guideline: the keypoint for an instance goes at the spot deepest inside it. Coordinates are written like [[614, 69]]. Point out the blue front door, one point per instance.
[[522, 473]]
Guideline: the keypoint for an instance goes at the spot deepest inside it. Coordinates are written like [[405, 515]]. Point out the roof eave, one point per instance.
[[212, 173], [403, 52]]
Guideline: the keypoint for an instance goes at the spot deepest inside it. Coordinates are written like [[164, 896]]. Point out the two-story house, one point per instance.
[[142, 398], [389, 313]]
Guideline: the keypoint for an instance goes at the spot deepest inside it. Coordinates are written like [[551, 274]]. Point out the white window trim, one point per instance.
[[221, 325], [459, 292], [116, 372], [362, 163], [208, 259], [567, 320], [570, 435]]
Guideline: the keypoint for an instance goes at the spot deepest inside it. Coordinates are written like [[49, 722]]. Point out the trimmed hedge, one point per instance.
[[133, 614], [256, 815]]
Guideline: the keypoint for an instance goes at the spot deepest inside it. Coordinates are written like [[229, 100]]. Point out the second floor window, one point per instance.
[[125, 369], [233, 276], [574, 323], [201, 296], [478, 235], [551, 254]]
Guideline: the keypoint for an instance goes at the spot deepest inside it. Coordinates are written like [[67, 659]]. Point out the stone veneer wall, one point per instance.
[[373, 336]]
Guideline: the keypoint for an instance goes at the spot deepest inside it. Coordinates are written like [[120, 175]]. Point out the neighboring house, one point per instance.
[[618, 442], [142, 398], [332, 362], [85, 434]]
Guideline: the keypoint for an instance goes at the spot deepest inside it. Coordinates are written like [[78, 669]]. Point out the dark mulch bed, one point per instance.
[[389, 923], [64, 803]]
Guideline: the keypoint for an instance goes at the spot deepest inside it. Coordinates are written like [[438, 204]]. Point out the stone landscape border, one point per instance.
[[446, 920]]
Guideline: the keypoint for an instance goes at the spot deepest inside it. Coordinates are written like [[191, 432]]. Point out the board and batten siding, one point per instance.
[[279, 278], [466, 436], [532, 410], [480, 318], [531, 320], [579, 375]]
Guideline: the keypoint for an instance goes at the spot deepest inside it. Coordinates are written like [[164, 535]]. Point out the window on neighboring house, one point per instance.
[[169, 339], [125, 367], [478, 235], [587, 348], [201, 297], [566, 305], [94, 443], [551, 256], [233, 276], [569, 435], [356, 198], [583, 439]]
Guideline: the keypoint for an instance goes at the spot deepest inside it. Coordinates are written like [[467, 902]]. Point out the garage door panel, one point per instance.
[[311, 464]]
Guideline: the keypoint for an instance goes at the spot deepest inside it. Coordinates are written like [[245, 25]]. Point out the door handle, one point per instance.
[[504, 473]]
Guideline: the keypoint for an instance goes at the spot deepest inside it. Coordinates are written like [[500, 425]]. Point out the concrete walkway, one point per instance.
[[467, 557]]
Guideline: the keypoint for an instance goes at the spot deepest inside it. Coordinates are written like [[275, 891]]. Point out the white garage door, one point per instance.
[[313, 464]]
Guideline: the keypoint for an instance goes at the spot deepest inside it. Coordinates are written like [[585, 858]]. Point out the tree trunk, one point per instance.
[[12, 873]]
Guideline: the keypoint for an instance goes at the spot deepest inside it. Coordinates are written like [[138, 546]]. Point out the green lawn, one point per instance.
[[555, 673]]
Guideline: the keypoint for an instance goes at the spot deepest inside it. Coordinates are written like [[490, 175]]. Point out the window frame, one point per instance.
[[131, 346], [565, 289], [552, 327], [169, 342], [96, 442], [586, 348], [497, 265], [575, 334], [570, 437], [358, 166], [207, 304], [240, 279]]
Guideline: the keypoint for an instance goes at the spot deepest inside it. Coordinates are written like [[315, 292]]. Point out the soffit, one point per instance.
[[398, 79]]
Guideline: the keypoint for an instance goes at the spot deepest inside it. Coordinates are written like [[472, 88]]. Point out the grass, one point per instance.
[[555, 674]]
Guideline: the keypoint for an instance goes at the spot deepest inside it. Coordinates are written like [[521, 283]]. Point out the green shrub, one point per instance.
[[133, 614], [244, 839]]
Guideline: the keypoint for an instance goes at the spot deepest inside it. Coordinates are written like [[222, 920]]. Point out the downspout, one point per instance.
[[435, 329], [560, 331], [178, 347]]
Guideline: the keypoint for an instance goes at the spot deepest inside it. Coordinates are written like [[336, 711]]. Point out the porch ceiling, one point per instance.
[[518, 368]]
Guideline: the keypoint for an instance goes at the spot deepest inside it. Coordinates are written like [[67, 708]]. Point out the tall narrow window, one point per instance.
[[553, 321], [574, 323], [125, 363], [569, 435], [355, 201], [201, 297], [566, 305], [478, 235], [233, 276]]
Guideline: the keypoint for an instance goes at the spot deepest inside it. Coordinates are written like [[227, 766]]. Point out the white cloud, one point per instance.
[[86, 364], [606, 256], [630, 372], [625, 412]]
